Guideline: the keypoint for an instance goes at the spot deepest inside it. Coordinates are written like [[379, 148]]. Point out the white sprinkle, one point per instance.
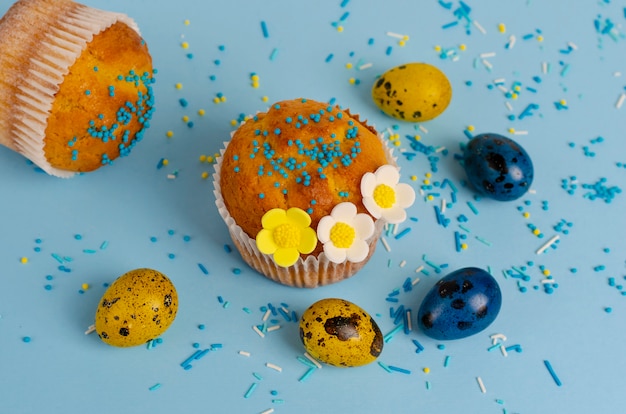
[[268, 411], [503, 350], [511, 41], [385, 244], [520, 132], [544, 67], [443, 206], [266, 315], [244, 353], [617, 74], [415, 281], [479, 27], [409, 324], [548, 244], [90, 329], [620, 100], [481, 385], [313, 360], [547, 281], [487, 55], [440, 149], [274, 367], [502, 88], [402, 263], [487, 64], [258, 331], [396, 35], [419, 269], [499, 81], [572, 45], [508, 106], [171, 176], [365, 66], [273, 328], [497, 336], [423, 129]]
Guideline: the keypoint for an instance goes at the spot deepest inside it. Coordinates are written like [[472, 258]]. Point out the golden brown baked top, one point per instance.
[[104, 104], [301, 153]]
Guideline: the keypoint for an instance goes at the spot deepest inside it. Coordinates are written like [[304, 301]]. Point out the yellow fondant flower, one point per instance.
[[286, 234], [384, 196], [344, 234]]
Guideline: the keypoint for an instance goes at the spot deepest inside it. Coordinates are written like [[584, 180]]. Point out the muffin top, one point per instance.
[[104, 104], [300, 153]]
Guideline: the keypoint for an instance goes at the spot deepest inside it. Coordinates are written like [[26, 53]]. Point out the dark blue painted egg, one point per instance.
[[498, 167], [460, 304]]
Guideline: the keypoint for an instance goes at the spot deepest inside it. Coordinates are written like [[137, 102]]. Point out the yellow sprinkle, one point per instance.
[[397, 143], [426, 182], [536, 232], [352, 81], [526, 214], [348, 65], [417, 137], [24, 260], [211, 158], [187, 22], [563, 102], [265, 99], [222, 98], [201, 112], [546, 272], [401, 43], [437, 48], [169, 134], [254, 78], [540, 38], [205, 175], [179, 85], [216, 100], [502, 28], [405, 38], [255, 84], [428, 175], [340, 29], [233, 122], [165, 162], [511, 130], [430, 197], [426, 370], [463, 246], [414, 178], [470, 128], [185, 118], [184, 45], [462, 46], [202, 158], [84, 286], [517, 88]]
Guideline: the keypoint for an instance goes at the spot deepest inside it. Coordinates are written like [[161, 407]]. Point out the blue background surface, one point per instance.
[[118, 209]]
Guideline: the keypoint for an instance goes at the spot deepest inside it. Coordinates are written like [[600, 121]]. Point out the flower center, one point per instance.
[[384, 196], [287, 235], [342, 235]]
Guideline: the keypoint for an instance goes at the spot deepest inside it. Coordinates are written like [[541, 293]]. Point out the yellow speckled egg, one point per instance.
[[413, 92], [138, 306], [340, 333]]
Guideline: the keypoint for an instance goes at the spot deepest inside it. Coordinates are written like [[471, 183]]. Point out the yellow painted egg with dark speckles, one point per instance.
[[340, 333], [137, 307], [413, 92]]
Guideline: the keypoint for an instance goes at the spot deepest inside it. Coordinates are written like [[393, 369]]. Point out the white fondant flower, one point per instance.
[[343, 234], [384, 196]]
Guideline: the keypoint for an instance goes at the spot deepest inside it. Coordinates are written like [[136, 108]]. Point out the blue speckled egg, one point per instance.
[[460, 304], [498, 167]]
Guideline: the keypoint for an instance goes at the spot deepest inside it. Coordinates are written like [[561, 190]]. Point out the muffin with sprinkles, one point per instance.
[[305, 190], [75, 85]]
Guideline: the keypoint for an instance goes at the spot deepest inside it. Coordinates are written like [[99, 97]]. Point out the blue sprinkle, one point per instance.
[[264, 29], [203, 269]]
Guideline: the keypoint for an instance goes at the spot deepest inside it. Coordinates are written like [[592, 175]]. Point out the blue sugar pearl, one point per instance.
[[26, 339]]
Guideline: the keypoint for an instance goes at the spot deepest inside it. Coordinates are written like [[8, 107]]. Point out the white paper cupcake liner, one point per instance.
[[310, 272], [40, 41]]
